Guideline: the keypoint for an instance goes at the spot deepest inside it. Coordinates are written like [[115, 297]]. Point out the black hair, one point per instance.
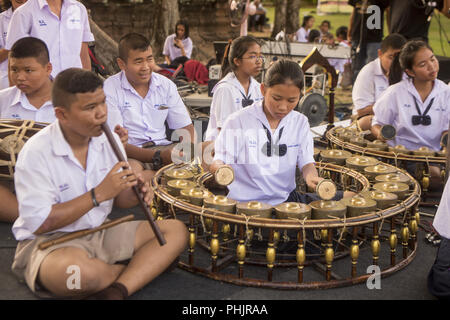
[[30, 47], [405, 59], [186, 28], [5, 4], [314, 35], [327, 22], [393, 41], [306, 19], [342, 32], [283, 71], [132, 41], [72, 81], [236, 50]]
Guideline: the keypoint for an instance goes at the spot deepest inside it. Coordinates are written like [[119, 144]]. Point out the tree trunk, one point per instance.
[[280, 17], [167, 16], [292, 18], [106, 49]]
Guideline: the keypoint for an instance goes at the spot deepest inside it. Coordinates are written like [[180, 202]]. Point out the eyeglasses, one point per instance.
[[268, 148], [255, 58]]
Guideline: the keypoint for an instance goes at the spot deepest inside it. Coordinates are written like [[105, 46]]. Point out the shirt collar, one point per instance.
[[61, 147], [21, 99], [412, 89], [257, 111], [154, 82], [233, 80], [378, 69], [43, 3]]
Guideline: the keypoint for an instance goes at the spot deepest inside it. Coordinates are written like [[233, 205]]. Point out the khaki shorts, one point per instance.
[[109, 245]]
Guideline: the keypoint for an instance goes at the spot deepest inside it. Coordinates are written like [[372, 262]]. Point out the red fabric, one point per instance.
[[196, 71]]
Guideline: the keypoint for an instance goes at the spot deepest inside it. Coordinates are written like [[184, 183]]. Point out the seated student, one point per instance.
[[30, 70], [341, 36], [68, 179], [257, 21], [418, 106], [372, 80], [30, 99], [439, 275], [324, 27], [142, 101], [314, 36], [303, 33], [265, 142], [178, 44], [5, 18], [237, 89]]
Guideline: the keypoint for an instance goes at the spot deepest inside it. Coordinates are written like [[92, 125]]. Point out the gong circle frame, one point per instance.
[[404, 215]]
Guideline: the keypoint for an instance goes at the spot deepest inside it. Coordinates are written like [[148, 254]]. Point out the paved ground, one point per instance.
[[409, 283]]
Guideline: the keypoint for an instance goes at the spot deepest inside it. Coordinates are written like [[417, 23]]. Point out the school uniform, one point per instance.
[[14, 104], [5, 18], [47, 173], [397, 106], [145, 118], [228, 97], [258, 176], [172, 51], [63, 36], [370, 83], [302, 34]]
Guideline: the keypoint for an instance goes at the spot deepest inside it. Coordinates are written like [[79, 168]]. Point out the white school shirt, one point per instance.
[[302, 35], [14, 104], [5, 18], [47, 173], [257, 176], [227, 98], [174, 52], [370, 83], [396, 107], [144, 118], [441, 220], [63, 37]]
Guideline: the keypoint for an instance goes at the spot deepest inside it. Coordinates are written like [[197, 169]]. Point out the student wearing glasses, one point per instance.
[[418, 106], [238, 89], [265, 142]]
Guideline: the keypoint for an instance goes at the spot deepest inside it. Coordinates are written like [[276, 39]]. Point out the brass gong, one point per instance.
[[195, 195], [294, 210], [393, 177], [398, 188], [360, 162], [399, 149], [335, 156], [255, 208], [372, 171], [322, 209], [175, 186], [383, 199], [377, 145], [220, 203], [424, 151], [359, 205], [178, 174]]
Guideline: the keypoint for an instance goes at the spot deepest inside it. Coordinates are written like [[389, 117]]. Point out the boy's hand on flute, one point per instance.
[[145, 189], [115, 182]]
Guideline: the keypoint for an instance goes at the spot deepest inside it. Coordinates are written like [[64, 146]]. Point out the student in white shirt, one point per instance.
[[238, 89], [303, 32], [178, 44], [29, 100], [373, 79], [265, 142], [30, 70], [68, 179], [142, 101], [62, 25], [418, 106], [5, 18]]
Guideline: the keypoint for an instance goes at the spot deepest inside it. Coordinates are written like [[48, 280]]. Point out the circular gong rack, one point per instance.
[[397, 159], [293, 253]]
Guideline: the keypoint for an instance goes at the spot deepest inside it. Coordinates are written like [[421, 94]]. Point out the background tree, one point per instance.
[[286, 16]]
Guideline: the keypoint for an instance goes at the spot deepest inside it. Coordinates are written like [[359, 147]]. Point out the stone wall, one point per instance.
[[207, 22]]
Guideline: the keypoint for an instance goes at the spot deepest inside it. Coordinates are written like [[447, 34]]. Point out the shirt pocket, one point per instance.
[[156, 117], [73, 18]]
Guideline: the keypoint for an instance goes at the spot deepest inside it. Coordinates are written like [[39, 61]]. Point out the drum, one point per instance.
[[13, 135]]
